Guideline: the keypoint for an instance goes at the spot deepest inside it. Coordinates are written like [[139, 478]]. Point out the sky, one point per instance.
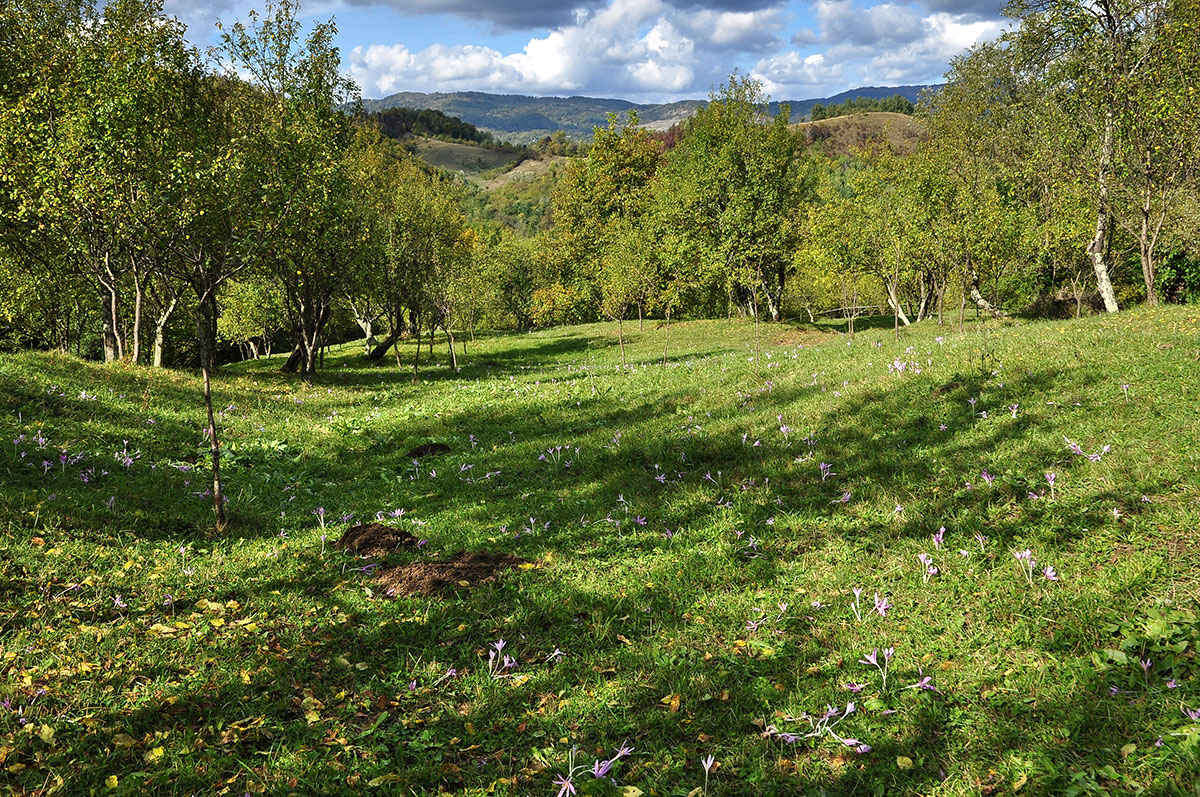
[[640, 50]]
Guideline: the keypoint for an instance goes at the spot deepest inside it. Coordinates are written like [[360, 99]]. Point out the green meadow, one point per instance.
[[711, 547]]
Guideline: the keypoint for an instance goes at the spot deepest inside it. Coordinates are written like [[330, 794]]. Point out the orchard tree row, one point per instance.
[[1060, 169], [148, 188]]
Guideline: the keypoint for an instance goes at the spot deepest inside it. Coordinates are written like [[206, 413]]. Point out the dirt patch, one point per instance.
[[428, 450], [375, 539], [429, 576]]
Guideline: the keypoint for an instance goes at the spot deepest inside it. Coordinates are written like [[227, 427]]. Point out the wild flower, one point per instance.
[[928, 569], [567, 787], [937, 537], [881, 605], [1025, 564], [1013, 409], [1050, 477], [872, 659], [1049, 572], [826, 470], [708, 764], [857, 593], [1125, 390], [320, 513], [987, 477], [924, 682]]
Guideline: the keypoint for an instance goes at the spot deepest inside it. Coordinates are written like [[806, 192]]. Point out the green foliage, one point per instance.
[[897, 103], [401, 123], [556, 304], [728, 194]]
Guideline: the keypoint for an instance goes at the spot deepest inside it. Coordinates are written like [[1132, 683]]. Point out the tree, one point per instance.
[[301, 135], [1157, 150], [626, 269], [730, 192], [1089, 57], [609, 186]]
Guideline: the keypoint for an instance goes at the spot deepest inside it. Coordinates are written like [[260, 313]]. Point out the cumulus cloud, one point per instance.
[[923, 59], [647, 48], [531, 14], [794, 76], [654, 50]]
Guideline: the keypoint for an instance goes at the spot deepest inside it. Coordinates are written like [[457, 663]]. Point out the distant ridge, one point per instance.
[[523, 119]]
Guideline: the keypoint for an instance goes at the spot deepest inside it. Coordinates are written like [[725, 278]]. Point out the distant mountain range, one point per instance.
[[523, 119]]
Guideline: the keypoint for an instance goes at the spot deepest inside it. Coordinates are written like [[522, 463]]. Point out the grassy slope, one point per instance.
[[842, 135], [457, 157], [274, 666]]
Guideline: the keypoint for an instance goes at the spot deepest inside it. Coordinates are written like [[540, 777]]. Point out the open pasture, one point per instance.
[[960, 563]]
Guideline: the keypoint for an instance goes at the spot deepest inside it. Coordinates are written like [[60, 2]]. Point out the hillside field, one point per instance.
[[468, 159], [784, 563], [843, 135]]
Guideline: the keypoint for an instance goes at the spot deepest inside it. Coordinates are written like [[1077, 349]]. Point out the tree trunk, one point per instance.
[[294, 360], [383, 347], [416, 359], [160, 331], [981, 302], [206, 359], [139, 291], [962, 305], [1098, 248], [450, 344], [667, 341], [109, 332], [897, 308], [621, 339]]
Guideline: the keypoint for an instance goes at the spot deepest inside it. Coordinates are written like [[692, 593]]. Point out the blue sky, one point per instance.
[[641, 50]]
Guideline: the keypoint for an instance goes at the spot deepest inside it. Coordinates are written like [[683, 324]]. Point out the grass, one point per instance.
[[140, 653], [474, 162], [845, 135]]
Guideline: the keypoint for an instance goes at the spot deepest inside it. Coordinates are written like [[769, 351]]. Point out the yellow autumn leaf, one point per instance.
[[111, 781], [154, 754]]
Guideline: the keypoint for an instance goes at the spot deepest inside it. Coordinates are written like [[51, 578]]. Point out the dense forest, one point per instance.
[[897, 103], [403, 122], [161, 207]]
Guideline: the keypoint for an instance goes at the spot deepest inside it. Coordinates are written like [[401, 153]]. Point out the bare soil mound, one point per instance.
[[375, 539], [427, 577]]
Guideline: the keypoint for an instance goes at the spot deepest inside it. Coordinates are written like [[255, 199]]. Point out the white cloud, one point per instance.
[[793, 76], [631, 47]]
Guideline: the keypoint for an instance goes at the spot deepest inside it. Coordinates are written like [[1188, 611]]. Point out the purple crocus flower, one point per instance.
[[567, 787]]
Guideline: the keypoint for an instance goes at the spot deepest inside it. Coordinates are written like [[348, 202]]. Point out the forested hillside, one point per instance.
[[522, 119]]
